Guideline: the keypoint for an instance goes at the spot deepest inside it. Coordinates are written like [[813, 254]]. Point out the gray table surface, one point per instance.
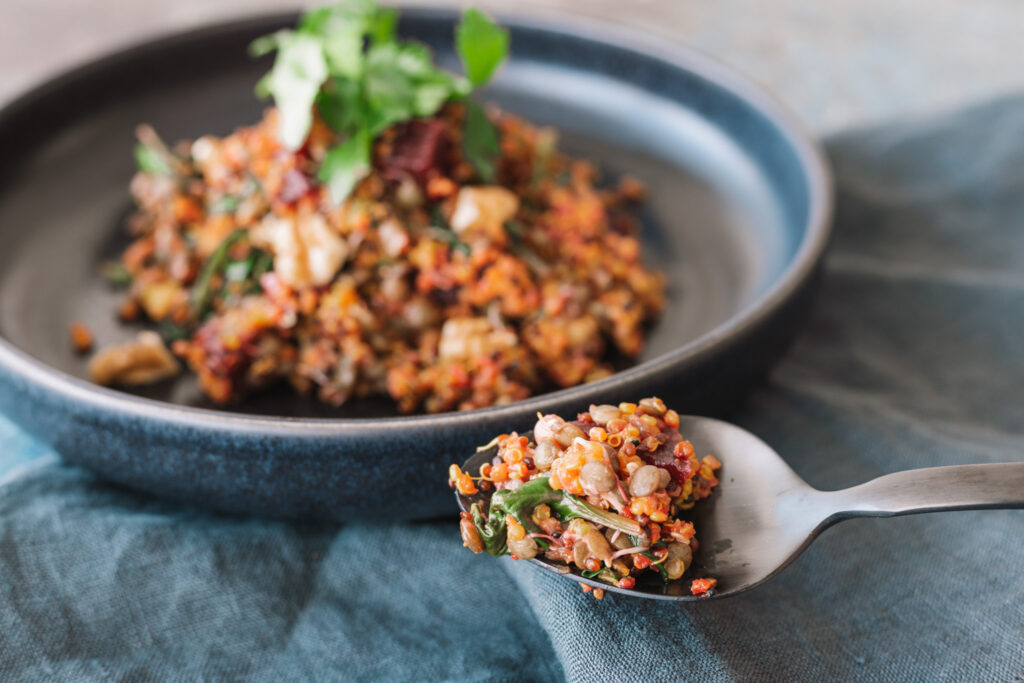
[[837, 63]]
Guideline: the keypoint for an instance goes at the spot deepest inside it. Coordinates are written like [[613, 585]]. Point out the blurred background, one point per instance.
[[837, 63]]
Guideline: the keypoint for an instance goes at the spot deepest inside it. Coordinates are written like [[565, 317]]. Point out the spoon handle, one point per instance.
[[933, 489]]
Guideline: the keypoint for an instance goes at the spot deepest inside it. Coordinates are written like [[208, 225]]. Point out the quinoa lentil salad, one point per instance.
[[604, 493], [378, 233]]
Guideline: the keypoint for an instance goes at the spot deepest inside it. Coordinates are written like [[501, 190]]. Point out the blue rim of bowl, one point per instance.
[[817, 229]]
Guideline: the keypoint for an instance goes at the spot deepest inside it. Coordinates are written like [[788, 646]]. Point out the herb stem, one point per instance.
[[201, 295]]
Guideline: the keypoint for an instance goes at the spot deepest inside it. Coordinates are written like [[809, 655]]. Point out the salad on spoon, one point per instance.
[[606, 494]]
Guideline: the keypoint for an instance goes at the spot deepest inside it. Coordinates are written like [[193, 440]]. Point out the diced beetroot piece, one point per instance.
[[420, 149], [665, 458], [294, 186]]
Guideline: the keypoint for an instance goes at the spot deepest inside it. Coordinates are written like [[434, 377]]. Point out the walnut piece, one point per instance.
[[482, 212], [471, 337], [143, 361], [307, 252]]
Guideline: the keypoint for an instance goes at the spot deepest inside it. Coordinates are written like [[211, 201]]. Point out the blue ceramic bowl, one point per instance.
[[738, 220]]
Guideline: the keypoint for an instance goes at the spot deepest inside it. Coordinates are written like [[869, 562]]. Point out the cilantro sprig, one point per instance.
[[346, 61], [482, 46]]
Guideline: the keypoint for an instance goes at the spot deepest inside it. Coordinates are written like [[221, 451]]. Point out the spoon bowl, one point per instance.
[[762, 515]]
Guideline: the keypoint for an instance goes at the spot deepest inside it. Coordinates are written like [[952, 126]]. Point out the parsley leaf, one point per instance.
[[116, 274], [340, 104], [482, 46], [300, 69], [264, 45], [151, 160], [382, 26], [378, 22], [341, 31], [345, 165], [389, 91], [480, 141], [226, 204], [401, 82]]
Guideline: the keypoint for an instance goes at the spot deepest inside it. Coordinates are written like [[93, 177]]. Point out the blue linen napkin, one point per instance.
[[914, 356]]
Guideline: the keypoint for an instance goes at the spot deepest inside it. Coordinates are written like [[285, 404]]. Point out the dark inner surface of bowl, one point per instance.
[[713, 224]]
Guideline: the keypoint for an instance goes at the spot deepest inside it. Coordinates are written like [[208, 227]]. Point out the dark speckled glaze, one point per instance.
[[738, 220]]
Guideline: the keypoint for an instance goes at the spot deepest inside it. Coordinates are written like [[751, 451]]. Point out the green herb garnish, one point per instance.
[[516, 232], [603, 574], [299, 70], [238, 271], [245, 274], [346, 61], [153, 156], [660, 567], [226, 204], [492, 530], [116, 274], [480, 141], [345, 165], [151, 160], [521, 503], [514, 229], [444, 232], [262, 262], [171, 331], [482, 46], [202, 292]]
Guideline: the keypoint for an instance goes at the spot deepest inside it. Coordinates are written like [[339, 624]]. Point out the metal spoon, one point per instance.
[[762, 515]]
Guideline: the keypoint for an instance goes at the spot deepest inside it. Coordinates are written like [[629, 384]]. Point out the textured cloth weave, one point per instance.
[[913, 356]]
